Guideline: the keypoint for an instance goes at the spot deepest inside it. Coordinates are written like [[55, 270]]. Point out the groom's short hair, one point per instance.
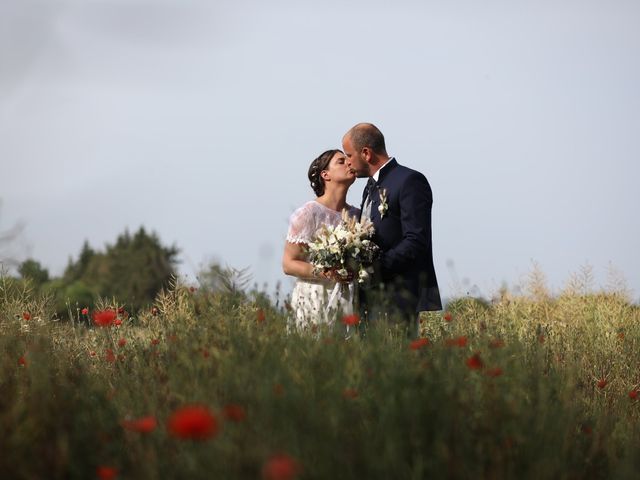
[[367, 135]]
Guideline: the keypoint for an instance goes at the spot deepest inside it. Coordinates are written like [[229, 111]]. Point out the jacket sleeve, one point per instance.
[[415, 219]]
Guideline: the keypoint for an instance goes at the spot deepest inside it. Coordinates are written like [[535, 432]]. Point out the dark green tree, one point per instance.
[[32, 270], [133, 270]]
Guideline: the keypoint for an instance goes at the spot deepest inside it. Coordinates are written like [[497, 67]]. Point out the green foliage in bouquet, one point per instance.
[[345, 248]]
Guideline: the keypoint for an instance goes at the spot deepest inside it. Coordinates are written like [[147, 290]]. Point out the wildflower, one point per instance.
[[122, 342], [602, 383], [104, 318], [351, 320], [155, 311], [586, 429], [26, 316], [192, 289], [110, 357], [419, 343], [155, 341], [633, 394], [234, 413], [278, 390], [448, 317], [541, 338], [496, 343], [457, 342], [194, 422], [205, 353], [85, 311], [260, 316], [22, 361], [92, 353], [120, 310], [117, 322], [140, 425], [350, 393], [280, 467], [106, 473], [474, 362], [494, 372]]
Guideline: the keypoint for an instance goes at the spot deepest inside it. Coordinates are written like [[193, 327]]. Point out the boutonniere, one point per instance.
[[383, 207]]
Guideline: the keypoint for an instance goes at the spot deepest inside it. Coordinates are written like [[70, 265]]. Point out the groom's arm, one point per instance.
[[415, 220]]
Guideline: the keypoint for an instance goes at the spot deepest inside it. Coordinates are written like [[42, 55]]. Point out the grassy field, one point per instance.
[[211, 385]]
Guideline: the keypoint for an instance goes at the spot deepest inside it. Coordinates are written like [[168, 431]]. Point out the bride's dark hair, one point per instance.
[[318, 165]]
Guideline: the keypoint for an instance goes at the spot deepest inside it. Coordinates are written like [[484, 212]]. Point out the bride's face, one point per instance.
[[338, 171]]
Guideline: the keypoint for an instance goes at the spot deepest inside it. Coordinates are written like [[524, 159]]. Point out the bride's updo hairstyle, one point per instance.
[[318, 165]]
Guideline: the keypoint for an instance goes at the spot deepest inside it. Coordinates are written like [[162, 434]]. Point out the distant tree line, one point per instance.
[[132, 270]]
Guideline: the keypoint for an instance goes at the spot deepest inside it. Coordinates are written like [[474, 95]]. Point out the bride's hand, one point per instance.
[[336, 277]]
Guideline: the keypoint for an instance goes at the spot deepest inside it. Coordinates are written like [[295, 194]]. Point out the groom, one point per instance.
[[398, 201]]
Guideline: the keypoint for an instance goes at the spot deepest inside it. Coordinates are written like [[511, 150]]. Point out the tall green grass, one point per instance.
[[550, 397]]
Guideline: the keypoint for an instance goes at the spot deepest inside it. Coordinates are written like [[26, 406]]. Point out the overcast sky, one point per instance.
[[199, 119]]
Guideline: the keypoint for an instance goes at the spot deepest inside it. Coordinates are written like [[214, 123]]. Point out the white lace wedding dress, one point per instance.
[[315, 302]]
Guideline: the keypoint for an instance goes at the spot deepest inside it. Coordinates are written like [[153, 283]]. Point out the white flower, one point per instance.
[[363, 275]]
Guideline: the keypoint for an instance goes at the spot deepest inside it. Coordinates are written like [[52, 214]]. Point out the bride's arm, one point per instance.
[[294, 263]]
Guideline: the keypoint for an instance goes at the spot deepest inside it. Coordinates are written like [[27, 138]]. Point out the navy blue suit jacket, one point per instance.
[[404, 236]]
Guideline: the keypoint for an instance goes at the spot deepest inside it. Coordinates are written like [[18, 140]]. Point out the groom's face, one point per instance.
[[355, 159]]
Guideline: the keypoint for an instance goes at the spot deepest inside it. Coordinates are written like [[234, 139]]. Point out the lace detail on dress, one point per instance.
[[306, 220]]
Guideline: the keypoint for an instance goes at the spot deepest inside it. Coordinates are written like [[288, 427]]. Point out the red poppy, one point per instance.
[[104, 318], [280, 467], [448, 317], [633, 394], [234, 413], [22, 361], [457, 342], [140, 425], [110, 357], [350, 393], [497, 343], [26, 315], [155, 341], [155, 311], [194, 422], [541, 338], [260, 316], [205, 353], [587, 430], [351, 320], [494, 372], [92, 353], [117, 322], [602, 383], [106, 473], [122, 342], [474, 362], [278, 390], [419, 343], [85, 311], [192, 289]]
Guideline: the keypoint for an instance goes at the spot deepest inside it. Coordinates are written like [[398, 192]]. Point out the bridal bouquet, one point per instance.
[[345, 248]]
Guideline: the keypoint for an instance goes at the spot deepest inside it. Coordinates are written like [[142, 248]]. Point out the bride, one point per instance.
[[315, 298]]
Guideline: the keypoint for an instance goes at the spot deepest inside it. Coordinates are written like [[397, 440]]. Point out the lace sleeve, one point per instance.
[[302, 225]]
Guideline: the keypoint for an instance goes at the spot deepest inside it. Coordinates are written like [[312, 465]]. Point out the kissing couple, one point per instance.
[[397, 201]]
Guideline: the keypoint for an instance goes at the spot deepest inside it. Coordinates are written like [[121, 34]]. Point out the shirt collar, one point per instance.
[[377, 174]]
